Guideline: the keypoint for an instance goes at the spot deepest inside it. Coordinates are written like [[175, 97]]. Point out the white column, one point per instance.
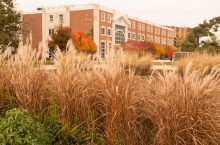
[[96, 27]]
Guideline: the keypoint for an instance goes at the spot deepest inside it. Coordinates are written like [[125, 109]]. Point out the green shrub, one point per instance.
[[19, 128]]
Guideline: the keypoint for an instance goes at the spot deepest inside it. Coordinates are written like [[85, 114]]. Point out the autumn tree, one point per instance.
[[84, 43], [10, 21], [60, 38]]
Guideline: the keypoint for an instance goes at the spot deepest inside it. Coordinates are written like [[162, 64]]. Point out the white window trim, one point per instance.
[[103, 27], [143, 36], [102, 41], [51, 19], [158, 30], [130, 24], [163, 41], [143, 27], [139, 38], [109, 28], [133, 25], [134, 35], [139, 26], [60, 17], [130, 34], [103, 16], [109, 18]]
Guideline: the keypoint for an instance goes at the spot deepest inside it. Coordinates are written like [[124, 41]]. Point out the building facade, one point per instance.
[[109, 27], [180, 34]]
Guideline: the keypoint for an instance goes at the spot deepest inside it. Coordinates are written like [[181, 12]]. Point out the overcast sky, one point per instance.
[[165, 12]]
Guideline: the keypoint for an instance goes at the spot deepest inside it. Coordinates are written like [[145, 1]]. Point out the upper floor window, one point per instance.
[[109, 18], [163, 41], [139, 26], [129, 24], [133, 36], [155, 30], [133, 25], [158, 31], [148, 28], [164, 32], [51, 18], [152, 29], [109, 31], [143, 27], [61, 17], [51, 32], [103, 30], [103, 16]]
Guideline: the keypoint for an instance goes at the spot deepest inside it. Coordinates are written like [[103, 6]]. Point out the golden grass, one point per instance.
[[162, 109], [199, 61]]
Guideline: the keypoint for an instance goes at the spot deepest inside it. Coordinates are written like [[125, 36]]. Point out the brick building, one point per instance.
[[180, 33], [109, 26]]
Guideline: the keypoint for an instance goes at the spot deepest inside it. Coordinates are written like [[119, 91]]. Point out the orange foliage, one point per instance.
[[83, 43], [159, 49]]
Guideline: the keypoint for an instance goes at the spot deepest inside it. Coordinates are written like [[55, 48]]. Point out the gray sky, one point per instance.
[[165, 12]]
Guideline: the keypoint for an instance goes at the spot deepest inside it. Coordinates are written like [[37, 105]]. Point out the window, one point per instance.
[[103, 30], [119, 34], [143, 37], [169, 42], [133, 25], [157, 39], [150, 38], [143, 27], [110, 45], [109, 18], [129, 24], [164, 32], [148, 28], [139, 26], [129, 35], [152, 29], [61, 17], [51, 18], [155, 30], [163, 41], [109, 32], [103, 16], [139, 37], [133, 36], [158, 31], [51, 32], [102, 49], [169, 33]]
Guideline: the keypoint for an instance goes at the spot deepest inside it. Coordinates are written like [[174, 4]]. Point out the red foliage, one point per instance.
[[139, 46], [148, 47]]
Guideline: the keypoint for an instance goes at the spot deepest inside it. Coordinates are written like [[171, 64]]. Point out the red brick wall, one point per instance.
[[32, 23], [81, 20], [106, 24]]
